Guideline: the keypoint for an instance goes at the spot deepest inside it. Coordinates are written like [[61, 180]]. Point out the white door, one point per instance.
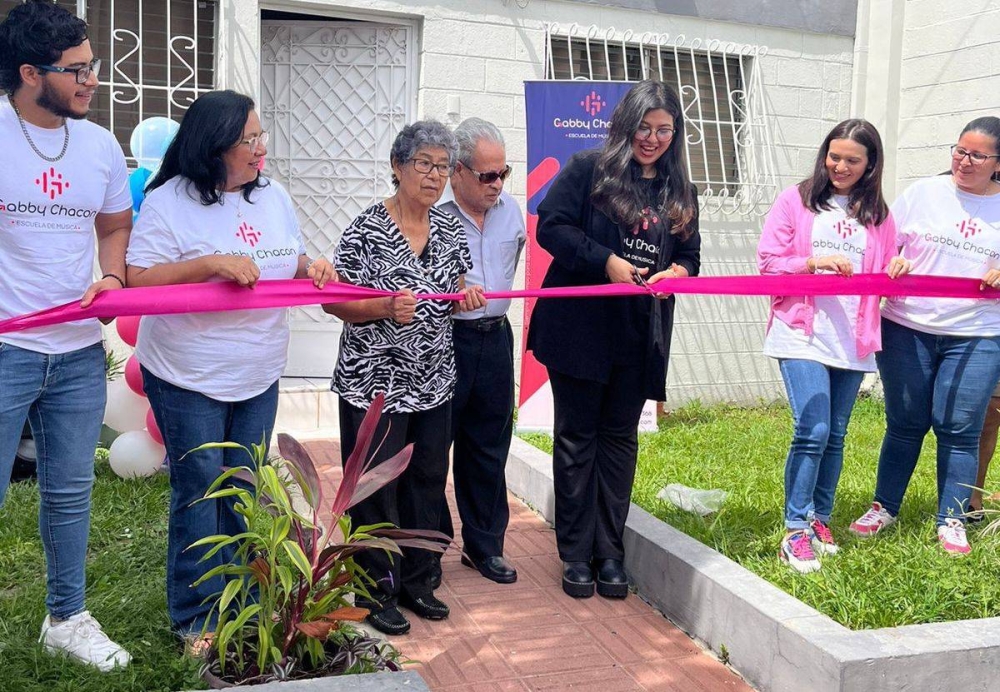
[[333, 97]]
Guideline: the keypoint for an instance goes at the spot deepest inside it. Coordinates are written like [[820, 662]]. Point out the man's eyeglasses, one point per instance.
[[424, 166], [664, 134], [975, 158], [82, 74], [255, 142], [490, 177]]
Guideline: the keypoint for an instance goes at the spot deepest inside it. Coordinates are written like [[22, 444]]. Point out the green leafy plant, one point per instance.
[[286, 608]]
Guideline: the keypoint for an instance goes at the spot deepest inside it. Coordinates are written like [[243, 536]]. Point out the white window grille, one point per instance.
[[158, 56], [728, 142]]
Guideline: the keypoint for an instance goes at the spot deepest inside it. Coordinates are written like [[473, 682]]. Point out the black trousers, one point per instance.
[[594, 455], [412, 501], [482, 422]]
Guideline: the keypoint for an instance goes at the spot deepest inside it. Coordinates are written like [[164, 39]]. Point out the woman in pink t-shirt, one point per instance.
[[836, 221]]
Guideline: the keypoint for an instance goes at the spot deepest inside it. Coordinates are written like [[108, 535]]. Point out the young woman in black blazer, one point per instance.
[[625, 213]]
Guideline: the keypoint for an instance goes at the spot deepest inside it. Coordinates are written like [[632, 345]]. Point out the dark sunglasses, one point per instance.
[[490, 177]]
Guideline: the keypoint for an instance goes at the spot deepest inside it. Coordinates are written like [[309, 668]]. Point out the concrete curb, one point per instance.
[[774, 640], [403, 681]]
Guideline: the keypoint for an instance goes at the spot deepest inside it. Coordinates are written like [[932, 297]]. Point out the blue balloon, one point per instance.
[[137, 180], [150, 140]]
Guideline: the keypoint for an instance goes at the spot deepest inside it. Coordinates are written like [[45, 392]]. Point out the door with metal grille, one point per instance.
[[333, 96]]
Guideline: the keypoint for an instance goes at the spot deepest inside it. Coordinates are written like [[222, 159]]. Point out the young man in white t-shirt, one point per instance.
[[62, 179]]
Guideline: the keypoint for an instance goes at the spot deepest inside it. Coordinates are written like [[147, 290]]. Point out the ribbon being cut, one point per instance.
[[222, 296]]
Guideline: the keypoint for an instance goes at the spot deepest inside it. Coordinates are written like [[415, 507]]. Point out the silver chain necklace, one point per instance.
[[34, 148]]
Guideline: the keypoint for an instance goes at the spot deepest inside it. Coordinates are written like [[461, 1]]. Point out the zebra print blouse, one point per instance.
[[413, 364]]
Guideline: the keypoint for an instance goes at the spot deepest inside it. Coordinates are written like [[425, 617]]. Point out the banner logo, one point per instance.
[[52, 183], [250, 236], [593, 103]]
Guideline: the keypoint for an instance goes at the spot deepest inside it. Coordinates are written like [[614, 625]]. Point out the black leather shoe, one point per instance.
[[427, 607], [389, 621], [612, 582], [578, 579], [436, 574], [494, 568]]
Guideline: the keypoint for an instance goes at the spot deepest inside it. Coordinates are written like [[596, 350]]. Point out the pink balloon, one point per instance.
[[133, 377], [260, 164], [128, 329], [151, 427]]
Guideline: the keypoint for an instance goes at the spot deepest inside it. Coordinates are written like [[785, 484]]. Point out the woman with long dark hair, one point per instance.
[[833, 222], [624, 213], [213, 377], [941, 356]]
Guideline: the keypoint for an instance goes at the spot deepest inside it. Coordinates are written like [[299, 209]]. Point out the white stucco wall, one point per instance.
[[950, 74], [481, 51]]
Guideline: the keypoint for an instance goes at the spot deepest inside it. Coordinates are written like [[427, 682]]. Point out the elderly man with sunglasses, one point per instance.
[[63, 178], [482, 412]]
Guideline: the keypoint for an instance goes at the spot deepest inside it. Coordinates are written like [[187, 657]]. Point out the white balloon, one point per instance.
[[126, 410], [134, 454]]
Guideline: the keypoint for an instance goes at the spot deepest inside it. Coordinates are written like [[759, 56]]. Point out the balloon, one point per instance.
[[128, 329], [133, 376], [152, 428], [150, 140], [126, 410], [137, 180], [135, 454]]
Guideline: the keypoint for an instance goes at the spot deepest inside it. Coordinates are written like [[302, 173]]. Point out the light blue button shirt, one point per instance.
[[496, 249]]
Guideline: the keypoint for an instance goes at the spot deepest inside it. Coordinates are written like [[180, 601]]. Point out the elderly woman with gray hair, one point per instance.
[[403, 348]]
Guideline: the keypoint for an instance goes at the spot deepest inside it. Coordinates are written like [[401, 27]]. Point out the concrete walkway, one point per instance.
[[530, 636]]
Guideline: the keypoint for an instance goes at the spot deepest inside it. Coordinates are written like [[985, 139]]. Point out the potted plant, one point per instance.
[[287, 611]]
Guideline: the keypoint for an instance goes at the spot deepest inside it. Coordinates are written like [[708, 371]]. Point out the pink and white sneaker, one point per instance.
[[872, 522], [822, 538], [797, 551], [951, 535]]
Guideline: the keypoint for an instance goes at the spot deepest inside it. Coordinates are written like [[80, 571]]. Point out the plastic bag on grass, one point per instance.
[[701, 502]]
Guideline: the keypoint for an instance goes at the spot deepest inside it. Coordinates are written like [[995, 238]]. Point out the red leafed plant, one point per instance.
[[286, 609]]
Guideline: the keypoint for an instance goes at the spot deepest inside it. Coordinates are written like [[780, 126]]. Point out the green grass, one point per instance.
[[126, 574], [900, 578]]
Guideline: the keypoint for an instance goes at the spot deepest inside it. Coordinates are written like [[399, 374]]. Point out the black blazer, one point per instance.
[[578, 336]]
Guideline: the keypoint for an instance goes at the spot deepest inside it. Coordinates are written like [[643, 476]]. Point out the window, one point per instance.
[[719, 88], [159, 55]]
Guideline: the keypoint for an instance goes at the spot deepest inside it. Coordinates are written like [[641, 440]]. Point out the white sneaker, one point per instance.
[[82, 638], [796, 550], [872, 522], [951, 536]]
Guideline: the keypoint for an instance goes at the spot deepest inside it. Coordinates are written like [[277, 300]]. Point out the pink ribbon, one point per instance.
[[220, 296]]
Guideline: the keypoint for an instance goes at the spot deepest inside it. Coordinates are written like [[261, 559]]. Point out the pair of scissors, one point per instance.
[[639, 280]]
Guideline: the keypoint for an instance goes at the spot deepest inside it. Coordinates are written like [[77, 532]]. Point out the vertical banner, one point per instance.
[[562, 119]]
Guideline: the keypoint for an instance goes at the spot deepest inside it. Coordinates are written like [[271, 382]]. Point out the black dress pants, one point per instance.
[[595, 443], [412, 501], [482, 421]]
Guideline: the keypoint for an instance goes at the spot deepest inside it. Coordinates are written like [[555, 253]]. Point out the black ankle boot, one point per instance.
[[578, 579], [612, 582]]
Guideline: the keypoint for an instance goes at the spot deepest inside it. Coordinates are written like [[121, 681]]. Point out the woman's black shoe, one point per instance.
[[389, 621], [427, 607], [612, 582], [578, 579]]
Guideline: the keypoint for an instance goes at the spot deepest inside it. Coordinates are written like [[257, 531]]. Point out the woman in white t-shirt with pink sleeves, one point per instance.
[[210, 215], [941, 356], [837, 222]]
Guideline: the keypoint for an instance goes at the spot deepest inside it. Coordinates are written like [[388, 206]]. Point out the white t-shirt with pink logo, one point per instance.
[[833, 341], [228, 356], [947, 232], [47, 213]]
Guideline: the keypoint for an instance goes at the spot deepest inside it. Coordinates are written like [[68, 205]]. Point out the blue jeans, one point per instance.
[[188, 419], [939, 382], [822, 399], [62, 396]]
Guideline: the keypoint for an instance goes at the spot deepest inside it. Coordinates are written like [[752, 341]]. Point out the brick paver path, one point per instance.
[[531, 636]]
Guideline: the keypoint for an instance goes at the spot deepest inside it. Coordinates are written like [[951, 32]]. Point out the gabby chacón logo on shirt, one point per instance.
[[965, 230], [52, 184]]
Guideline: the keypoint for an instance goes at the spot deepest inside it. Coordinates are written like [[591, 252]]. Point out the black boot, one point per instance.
[[612, 582], [578, 579]]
